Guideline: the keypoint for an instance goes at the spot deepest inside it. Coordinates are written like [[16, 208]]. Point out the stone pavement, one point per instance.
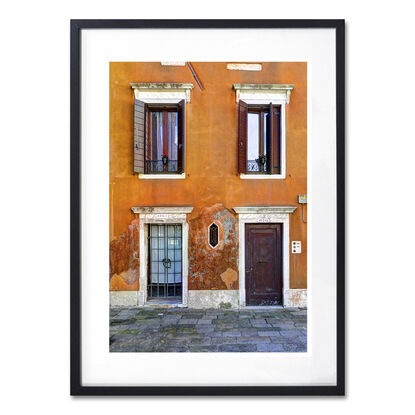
[[212, 330]]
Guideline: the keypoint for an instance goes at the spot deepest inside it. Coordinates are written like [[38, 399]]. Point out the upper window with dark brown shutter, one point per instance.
[[181, 160], [275, 130], [243, 134], [159, 138], [259, 139], [262, 132]]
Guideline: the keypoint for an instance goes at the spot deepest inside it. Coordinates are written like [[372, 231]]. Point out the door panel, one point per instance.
[[263, 264], [165, 261]]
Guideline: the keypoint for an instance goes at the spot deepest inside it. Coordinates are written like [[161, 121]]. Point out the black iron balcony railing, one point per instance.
[[161, 166], [259, 165]]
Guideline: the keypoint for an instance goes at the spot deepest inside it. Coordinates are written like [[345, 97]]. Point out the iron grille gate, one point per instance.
[[165, 261]]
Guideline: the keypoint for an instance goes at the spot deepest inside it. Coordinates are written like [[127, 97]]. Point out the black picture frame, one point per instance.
[[77, 26]]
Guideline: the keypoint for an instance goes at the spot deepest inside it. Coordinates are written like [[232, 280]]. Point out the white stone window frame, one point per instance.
[[264, 94], [263, 215], [160, 216], [162, 93]]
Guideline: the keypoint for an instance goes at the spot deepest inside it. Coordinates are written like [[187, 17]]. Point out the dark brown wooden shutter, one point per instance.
[[242, 136], [181, 129], [275, 129], [140, 118], [269, 139]]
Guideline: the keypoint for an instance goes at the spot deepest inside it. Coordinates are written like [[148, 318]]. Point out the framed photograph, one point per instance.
[[207, 207]]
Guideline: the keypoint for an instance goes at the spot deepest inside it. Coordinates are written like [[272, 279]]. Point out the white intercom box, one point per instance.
[[296, 247]]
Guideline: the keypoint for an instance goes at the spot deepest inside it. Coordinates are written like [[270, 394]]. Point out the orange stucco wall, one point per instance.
[[211, 154]]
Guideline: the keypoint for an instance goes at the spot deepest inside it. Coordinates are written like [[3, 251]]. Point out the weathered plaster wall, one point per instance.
[[213, 268], [211, 158], [124, 259]]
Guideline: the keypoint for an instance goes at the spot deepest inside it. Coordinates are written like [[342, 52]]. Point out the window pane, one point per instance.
[[162, 278], [170, 277], [155, 267], [173, 243], [171, 230], [173, 135], [253, 136], [161, 230], [160, 243], [154, 277], [156, 135], [177, 267]]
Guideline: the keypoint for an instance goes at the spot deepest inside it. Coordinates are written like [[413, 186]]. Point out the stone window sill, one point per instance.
[[162, 176], [262, 176]]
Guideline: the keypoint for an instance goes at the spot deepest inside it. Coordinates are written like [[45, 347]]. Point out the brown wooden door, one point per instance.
[[263, 264]]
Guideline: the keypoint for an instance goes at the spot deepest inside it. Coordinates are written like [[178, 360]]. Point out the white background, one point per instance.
[[35, 206], [318, 365]]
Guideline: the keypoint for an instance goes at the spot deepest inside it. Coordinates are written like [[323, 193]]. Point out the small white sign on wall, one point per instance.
[[161, 216], [264, 220], [296, 247]]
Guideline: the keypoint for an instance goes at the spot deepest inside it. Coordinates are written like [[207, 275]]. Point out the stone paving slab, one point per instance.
[[135, 329]]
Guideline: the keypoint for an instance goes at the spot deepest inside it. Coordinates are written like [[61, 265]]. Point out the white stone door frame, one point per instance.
[[271, 214], [162, 215]]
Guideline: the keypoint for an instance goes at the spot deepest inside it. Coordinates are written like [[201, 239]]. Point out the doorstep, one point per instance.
[[164, 303], [262, 307]]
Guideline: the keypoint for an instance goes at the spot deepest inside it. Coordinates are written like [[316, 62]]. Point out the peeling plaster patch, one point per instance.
[[206, 264], [124, 260], [244, 66], [229, 277], [123, 282], [228, 223]]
